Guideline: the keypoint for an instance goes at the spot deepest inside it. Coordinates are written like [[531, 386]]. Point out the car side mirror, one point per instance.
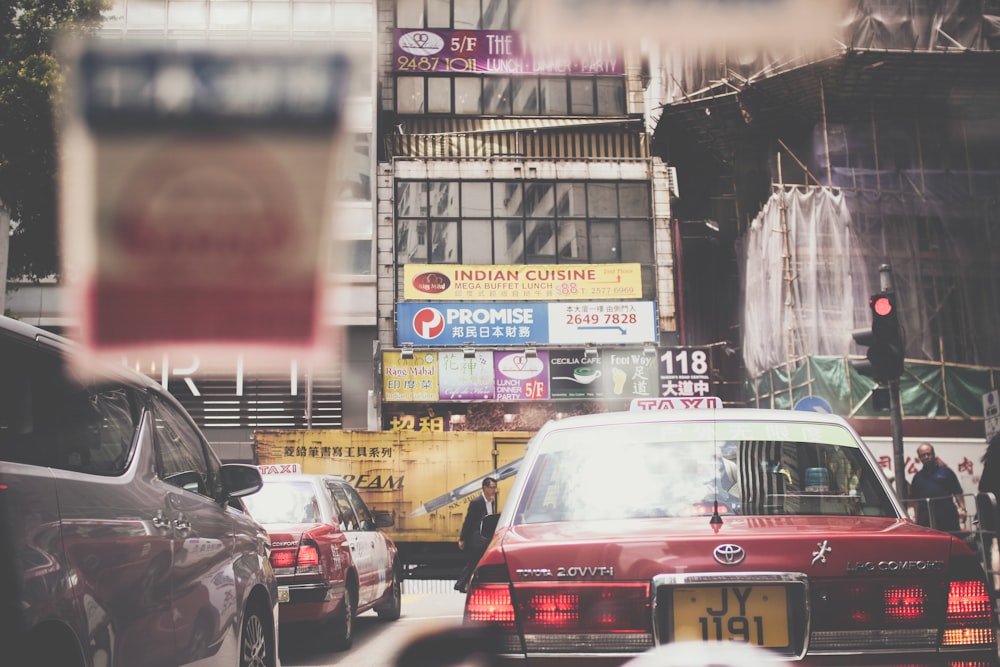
[[239, 479], [488, 526], [384, 519]]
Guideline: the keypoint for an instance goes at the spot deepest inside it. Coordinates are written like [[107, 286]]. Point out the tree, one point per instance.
[[30, 88]]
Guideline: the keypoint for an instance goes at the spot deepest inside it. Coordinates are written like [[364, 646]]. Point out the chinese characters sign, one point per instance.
[[543, 282], [514, 375], [498, 52]]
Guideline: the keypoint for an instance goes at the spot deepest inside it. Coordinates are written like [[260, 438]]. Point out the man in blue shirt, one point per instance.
[[942, 505]]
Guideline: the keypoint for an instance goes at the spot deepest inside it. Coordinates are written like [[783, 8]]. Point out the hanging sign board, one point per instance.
[[196, 194]]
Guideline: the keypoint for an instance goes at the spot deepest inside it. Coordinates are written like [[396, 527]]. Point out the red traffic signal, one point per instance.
[[882, 305], [884, 340]]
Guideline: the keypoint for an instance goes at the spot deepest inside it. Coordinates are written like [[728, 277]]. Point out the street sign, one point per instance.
[[991, 412], [814, 404]]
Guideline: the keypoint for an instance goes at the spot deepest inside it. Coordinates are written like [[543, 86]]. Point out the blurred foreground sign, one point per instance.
[[196, 198]]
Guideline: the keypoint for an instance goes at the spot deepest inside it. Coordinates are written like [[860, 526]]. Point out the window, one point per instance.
[[180, 452], [523, 95], [518, 222], [48, 418], [365, 519], [346, 516]]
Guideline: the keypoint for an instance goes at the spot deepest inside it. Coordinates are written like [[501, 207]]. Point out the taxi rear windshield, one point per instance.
[[622, 472]]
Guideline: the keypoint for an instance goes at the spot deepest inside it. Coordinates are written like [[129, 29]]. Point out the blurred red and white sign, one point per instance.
[[196, 207]]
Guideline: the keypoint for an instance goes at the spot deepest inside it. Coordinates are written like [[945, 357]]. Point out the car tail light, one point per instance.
[[303, 559], [571, 616], [969, 618]]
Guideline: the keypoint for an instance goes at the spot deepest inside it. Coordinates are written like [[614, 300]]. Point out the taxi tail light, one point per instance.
[[303, 559], [561, 607], [969, 619], [584, 607]]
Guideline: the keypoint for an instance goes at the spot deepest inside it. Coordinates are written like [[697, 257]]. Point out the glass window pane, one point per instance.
[[508, 242], [355, 257], [410, 14], [475, 199], [438, 13], [443, 198], [444, 242], [467, 16], [474, 248], [439, 95], [229, 14], [571, 200], [270, 15], [356, 168], [553, 96], [411, 241], [581, 95], [467, 94], [507, 199], [496, 95], [637, 241], [572, 241], [633, 200], [610, 96], [311, 16], [539, 200], [524, 91], [495, 15], [602, 200], [540, 241], [604, 241], [410, 94], [520, 14], [411, 199]]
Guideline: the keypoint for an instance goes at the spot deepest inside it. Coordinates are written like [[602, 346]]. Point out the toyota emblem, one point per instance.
[[729, 554]]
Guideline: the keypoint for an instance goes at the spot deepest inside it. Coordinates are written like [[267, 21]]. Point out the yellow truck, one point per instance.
[[425, 478]]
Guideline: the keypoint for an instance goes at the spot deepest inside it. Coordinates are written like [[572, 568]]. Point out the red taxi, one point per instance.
[[774, 529], [330, 557]]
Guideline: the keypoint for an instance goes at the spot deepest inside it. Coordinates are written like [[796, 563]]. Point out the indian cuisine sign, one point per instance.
[[518, 282], [498, 52]]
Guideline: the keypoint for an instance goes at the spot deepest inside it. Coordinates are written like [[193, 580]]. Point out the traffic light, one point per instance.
[[884, 340]]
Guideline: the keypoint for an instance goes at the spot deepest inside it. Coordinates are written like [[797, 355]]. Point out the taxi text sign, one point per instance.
[[196, 201], [535, 282]]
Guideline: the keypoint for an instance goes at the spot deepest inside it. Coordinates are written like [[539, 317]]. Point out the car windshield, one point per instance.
[[284, 502], [687, 469]]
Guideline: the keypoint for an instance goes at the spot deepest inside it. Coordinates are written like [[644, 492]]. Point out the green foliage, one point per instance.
[[30, 84]]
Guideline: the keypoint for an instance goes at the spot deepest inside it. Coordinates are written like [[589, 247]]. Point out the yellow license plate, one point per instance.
[[755, 614], [282, 593]]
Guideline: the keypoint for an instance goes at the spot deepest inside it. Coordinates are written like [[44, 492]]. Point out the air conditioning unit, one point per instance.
[[672, 181]]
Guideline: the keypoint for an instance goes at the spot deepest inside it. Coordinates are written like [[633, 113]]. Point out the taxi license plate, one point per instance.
[[755, 614], [283, 594]]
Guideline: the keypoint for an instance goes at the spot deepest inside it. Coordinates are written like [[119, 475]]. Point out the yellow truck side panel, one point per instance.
[[426, 479]]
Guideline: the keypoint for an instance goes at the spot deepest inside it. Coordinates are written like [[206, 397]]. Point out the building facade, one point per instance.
[[525, 248]]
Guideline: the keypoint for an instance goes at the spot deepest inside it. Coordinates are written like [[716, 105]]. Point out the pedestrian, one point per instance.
[[471, 540], [935, 485], [986, 507]]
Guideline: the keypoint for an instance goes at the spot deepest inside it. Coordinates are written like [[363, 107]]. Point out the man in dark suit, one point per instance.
[[471, 541]]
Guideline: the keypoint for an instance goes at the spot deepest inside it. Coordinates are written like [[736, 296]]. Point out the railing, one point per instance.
[[978, 530]]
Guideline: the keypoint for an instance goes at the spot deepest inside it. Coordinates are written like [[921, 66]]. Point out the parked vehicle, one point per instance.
[[329, 553], [771, 528], [123, 540]]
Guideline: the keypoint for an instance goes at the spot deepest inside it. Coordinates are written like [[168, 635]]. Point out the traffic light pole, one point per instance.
[[896, 421]]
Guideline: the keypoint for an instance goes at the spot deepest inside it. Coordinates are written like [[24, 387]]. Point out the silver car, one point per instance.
[[123, 540]]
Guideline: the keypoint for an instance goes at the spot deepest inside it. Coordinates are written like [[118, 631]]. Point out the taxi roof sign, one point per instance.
[[678, 403], [279, 468]]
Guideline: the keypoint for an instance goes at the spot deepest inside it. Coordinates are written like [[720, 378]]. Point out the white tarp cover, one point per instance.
[[804, 290]]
